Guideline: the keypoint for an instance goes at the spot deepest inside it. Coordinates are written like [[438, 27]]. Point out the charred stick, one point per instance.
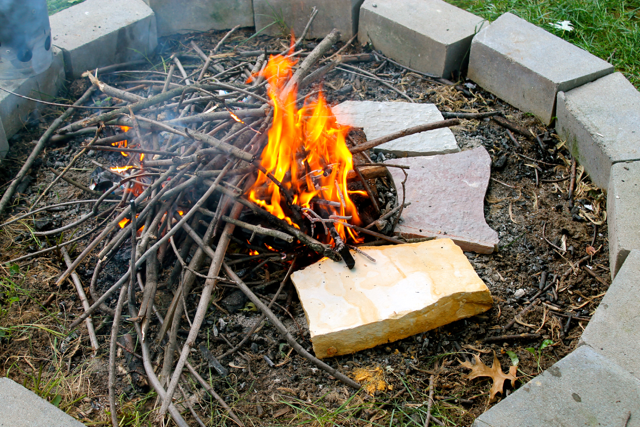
[[513, 138], [42, 142], [85, 303], [76, 183], [258, 229], [306, 240], [201, 311], [340, 247], [470, 116], [416, 129], [511, 126], [285, 333], [367, 189], [512, 337], [389, 214]]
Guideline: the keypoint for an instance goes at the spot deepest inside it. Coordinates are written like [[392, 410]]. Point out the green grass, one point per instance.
[[55, 6], [609, 29]]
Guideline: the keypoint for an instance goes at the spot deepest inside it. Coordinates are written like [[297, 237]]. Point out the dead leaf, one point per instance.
[[591, 251], [281, 412], [495, 372]]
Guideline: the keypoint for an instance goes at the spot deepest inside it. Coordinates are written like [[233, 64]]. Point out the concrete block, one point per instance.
[[23, 408], [409, 289], [601, 123], [278, 17], [428, 35], [613, 330], [447, 198], [527, 66], [15, 110], [583, 389], [179, 16], [93, 34], [382, 118], [623, 206], [4, 144]]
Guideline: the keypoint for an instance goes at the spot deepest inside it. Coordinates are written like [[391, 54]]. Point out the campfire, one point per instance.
[[259, 184]]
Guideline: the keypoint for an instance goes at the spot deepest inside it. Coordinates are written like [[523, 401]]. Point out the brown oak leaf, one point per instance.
[[495, 372]]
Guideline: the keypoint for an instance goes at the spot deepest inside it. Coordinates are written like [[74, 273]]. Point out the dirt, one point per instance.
[[268, 383]]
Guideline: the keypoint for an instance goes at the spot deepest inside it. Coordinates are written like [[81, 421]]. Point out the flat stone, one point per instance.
[[4, 144], [527, 66], [427, 35], [15, 110], [623, 206], [279, 17], [583, 389], [93, 35], [179, 16], [613, 330], [383, 118], [447, 198], [409, 289], [601, 123], [23, 408]]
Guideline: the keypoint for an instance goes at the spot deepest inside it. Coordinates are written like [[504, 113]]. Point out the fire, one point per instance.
[[253, 252], [124, 143], [123, 223], [306, 152], [120, 169], [235, 117]]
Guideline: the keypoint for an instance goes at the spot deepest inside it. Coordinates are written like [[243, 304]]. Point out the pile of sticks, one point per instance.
[[201, 134]]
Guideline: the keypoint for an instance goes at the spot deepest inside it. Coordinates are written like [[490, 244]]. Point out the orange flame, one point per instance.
[[235, 117], [122, 144], [306, 152], [123, 223], [121, 168], [253, 252]]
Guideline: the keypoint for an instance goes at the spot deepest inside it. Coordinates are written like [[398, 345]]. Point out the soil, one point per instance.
[[543, 234]]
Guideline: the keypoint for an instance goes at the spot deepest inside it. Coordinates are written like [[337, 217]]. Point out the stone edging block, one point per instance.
[[278, 17], [613, 330], [428, 35], [601, 123], [178, 16], [93, 34], [623, 205], [527, 66], [20, 407], [14, 111], [583, 389]]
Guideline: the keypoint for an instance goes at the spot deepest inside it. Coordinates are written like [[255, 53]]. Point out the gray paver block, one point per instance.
[[527, 66], [20, 407], [93, 34], [428, 35], [623, 205], [613, 329], [583, 389], [14, 110], [601, 123], [282, 15], [447, 198], [178, 16], [379, 119], [4, 144]]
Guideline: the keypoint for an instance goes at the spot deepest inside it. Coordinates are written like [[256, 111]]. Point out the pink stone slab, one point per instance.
[[447, 198]]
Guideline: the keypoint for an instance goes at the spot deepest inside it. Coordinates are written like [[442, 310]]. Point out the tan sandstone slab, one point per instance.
[[410, 289]]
